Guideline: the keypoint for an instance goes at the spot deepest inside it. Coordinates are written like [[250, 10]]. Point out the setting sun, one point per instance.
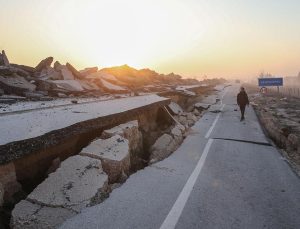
[[149, 114], [193, 38]]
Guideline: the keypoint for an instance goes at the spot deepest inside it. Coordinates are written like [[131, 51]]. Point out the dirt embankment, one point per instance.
[[280, 117]]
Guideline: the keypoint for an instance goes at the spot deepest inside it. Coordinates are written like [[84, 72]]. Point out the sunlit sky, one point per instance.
[[228, 38]]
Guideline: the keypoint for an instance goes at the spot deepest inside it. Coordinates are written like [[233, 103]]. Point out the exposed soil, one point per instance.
[[280, 117]]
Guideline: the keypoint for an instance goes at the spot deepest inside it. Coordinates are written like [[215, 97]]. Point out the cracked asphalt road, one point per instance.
[[218, 178]]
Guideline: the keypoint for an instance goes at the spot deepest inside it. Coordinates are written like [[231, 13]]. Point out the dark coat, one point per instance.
[[242, 99]]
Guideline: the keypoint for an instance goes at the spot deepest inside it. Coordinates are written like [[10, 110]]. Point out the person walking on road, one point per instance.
[[242, 101]]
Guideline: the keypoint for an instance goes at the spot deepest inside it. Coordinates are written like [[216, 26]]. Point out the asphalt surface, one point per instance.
[[224, 175], [37, 122]]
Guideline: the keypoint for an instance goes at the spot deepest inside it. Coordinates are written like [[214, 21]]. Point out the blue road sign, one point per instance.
[[265, 82]]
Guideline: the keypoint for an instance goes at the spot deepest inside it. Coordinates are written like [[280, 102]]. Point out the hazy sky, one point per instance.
[[191, 37]]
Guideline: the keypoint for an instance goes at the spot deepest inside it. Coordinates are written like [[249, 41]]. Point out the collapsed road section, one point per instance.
[[31, 141], [59, 160]]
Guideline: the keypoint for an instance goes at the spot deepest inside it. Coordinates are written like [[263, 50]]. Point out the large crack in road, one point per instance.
[[245, 141]]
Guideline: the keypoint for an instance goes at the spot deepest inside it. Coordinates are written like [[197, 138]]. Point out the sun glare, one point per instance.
[[192, 37], [132, 32]]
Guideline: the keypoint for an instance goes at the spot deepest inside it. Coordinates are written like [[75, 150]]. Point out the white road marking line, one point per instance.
[[173, 216], [175, 212], [226, 90], [214, 123]]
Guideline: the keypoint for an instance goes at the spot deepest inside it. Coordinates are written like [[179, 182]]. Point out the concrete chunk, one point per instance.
[[3, 59], [76, 184], [175, 108], [192, 117], [108, 77], [114, 154], [71, 85], [44, 64], [202, 106], [162, 148], [177, 132], [87, 71], [66, 73], [25, 68], [50, 73], [88, 85], [27, 215], [182, 120], [74, 71], [15, 84], [210, 99], [10, 70], [130, 131], [124, 129], [110, 87]]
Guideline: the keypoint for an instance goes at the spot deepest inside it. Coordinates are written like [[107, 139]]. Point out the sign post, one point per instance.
[[270, 82]]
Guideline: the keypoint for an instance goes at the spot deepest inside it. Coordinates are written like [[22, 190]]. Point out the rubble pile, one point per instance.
[[187, 119], [79, 182], [51, 79], [169, 141], [82, 180], [43, 81], [87, 178]]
